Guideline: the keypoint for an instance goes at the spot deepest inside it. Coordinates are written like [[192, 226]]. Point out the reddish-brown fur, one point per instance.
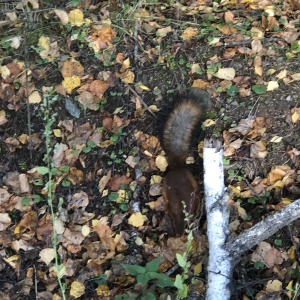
[[179, 184]]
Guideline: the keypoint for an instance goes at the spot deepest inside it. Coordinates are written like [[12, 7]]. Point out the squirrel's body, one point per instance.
[[179, 184]]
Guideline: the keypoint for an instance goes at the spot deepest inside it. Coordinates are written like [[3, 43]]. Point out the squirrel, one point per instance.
[[179, 184]]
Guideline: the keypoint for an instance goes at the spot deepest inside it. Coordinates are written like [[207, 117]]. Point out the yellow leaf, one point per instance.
[[136, 219], [291, 253], [5, 72], [44, 42], [189, 33], [161, 163], [77, 289], [198, 269], [70, 83], [103, 290], [295, 117], [127, 76], [286, 201], [57, 132], [76, 17]]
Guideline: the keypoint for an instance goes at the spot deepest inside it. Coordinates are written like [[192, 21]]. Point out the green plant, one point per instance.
[[149, 272], [49, 119], [182, 260]]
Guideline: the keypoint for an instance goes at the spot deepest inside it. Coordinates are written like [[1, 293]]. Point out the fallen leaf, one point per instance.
[[226, 73], [77, 289], [76, 17], [47, 255], [136, 219]]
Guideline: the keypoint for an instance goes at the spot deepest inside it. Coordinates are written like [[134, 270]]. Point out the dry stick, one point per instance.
[[264, 229], [140, 99]]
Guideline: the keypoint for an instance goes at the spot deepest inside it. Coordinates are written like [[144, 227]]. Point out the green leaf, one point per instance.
[[91, 144], [259, 89], [142, 279], [149, 296], [178, 282], [43, 170], [113, 196], [65, 168], [134, 269], [162, 279], [153, 265], [181, 260], [232, 90], [258, 265]]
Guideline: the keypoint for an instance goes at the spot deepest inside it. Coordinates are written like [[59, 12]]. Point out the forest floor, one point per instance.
[[85, 89]]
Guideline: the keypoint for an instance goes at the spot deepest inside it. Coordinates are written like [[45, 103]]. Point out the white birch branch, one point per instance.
[[224, 250]]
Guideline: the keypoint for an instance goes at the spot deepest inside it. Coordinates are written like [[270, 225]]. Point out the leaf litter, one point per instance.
[[108, 163]]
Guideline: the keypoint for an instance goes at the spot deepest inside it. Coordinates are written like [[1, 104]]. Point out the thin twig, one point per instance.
[[140, 99]]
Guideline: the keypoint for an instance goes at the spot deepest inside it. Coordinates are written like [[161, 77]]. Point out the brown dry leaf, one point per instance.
[[18, 245], [44, 229], [117, 219], [58, 156], [293, 153], [131, 161], [127, 77], [98, 88], [103, 37], [79, 200], [75, 175], [72, 67], [104, 181], [268, 255], [229, 17], [201, 84], [148, 142], [80, 135], [28, 222], [73, 235], [258, 65], [244, 126], [70, 83], [256, 33], [3, 119], [117, 180], [120, 58], [295, 114], [189, 33], [86, 98], [155, 189], [257, 47], [158, 205], [76, 17], [227, 29], [5, 221], [258, 150], [105, 233], [77, 289]]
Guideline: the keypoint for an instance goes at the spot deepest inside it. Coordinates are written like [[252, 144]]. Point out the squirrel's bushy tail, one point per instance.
[[179, 127]]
